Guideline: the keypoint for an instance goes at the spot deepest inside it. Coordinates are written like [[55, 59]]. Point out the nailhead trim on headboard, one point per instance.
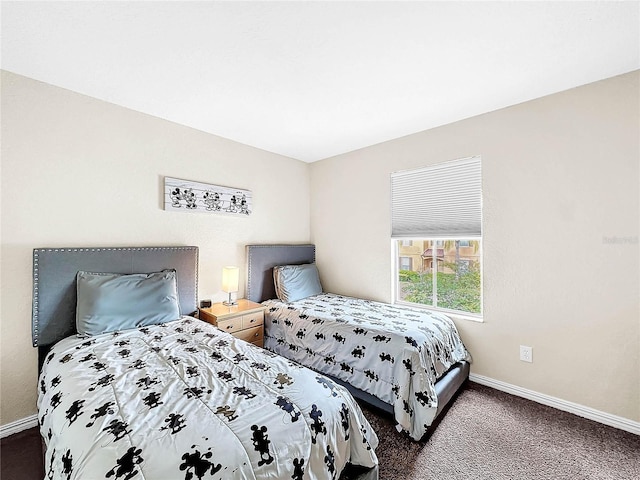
[[35, 297]]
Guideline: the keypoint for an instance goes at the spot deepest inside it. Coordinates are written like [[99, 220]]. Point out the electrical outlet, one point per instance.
[[526, 354]]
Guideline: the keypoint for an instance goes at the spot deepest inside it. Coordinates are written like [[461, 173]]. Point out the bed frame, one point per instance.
[[54, 283], [260, 287], [54, 292]]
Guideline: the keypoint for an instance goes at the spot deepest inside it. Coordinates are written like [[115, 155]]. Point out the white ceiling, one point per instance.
[[311, 80]]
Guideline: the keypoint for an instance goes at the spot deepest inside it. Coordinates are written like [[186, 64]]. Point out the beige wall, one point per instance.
[[80, 172], [560, 174]]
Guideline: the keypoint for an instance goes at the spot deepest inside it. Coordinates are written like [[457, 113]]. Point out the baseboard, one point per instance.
[[18, 426], [575, 408]]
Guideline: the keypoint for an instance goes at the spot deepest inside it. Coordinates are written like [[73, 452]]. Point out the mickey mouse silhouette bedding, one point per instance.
[[184, 400], [392, 352]]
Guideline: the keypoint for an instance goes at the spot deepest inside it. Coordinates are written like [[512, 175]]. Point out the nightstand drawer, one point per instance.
[[252, 319], [244, 320], [252, 335], [230, 325]]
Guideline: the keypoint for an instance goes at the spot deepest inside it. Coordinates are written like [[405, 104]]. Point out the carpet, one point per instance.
[[488, 434]]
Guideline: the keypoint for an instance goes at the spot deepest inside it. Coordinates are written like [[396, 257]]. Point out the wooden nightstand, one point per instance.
[[244, 320]]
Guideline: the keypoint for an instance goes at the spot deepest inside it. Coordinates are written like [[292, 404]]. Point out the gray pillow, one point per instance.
[[108, 302], [295, 282]]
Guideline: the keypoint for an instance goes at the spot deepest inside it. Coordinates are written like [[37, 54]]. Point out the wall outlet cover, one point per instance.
[[526, 354]]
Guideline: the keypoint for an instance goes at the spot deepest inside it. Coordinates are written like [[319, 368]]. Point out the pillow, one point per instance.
[[108, 302], [295, 282]]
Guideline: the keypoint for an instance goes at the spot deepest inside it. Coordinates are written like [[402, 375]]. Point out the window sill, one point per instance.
[[449, 313]]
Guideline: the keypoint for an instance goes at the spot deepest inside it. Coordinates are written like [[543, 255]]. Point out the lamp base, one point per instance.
[[230, 303]]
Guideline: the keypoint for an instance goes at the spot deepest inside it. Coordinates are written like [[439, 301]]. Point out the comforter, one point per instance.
[[185, 400], [394, 353]]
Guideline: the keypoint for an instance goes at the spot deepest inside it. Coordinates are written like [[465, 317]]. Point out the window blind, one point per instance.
[[440, 201]]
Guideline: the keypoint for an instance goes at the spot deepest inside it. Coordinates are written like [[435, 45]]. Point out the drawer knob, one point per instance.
[[257, 335], [229, 327], [252, 320]]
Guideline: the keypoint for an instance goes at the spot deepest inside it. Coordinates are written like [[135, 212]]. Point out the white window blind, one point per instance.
[[440, 201]]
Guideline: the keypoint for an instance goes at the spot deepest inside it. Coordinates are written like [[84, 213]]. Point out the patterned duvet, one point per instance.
[[184, 400], [394, 353]]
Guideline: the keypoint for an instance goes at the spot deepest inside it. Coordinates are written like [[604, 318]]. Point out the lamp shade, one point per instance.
[[230, 279]]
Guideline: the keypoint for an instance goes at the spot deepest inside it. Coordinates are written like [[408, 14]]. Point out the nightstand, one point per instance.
[[244, 320]]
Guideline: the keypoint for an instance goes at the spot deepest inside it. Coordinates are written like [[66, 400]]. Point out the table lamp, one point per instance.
[[230, 283]]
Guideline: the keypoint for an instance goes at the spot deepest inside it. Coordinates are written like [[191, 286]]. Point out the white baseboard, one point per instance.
[[18, 426], [577, 409]]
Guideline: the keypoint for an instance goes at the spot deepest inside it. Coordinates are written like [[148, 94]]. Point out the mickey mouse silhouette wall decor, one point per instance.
[[188, 196]]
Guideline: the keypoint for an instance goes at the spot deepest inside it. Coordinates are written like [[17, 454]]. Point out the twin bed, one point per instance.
[[153, 396], [407, 361], [180, 398]]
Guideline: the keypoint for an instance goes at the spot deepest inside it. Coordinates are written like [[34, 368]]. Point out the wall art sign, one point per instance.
[[187, 196]]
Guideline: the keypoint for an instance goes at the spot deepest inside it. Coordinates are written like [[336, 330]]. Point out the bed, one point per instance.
[[406, 361], [174, 398]]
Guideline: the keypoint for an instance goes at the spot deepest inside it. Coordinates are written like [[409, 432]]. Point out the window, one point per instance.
[[407, 243], [405, 263], [439, 209], [444, 278]]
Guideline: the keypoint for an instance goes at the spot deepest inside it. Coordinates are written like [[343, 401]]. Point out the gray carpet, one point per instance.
[[488, 434]]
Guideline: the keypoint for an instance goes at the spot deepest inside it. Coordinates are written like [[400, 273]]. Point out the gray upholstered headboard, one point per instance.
[[54, 281], [260, 262]]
